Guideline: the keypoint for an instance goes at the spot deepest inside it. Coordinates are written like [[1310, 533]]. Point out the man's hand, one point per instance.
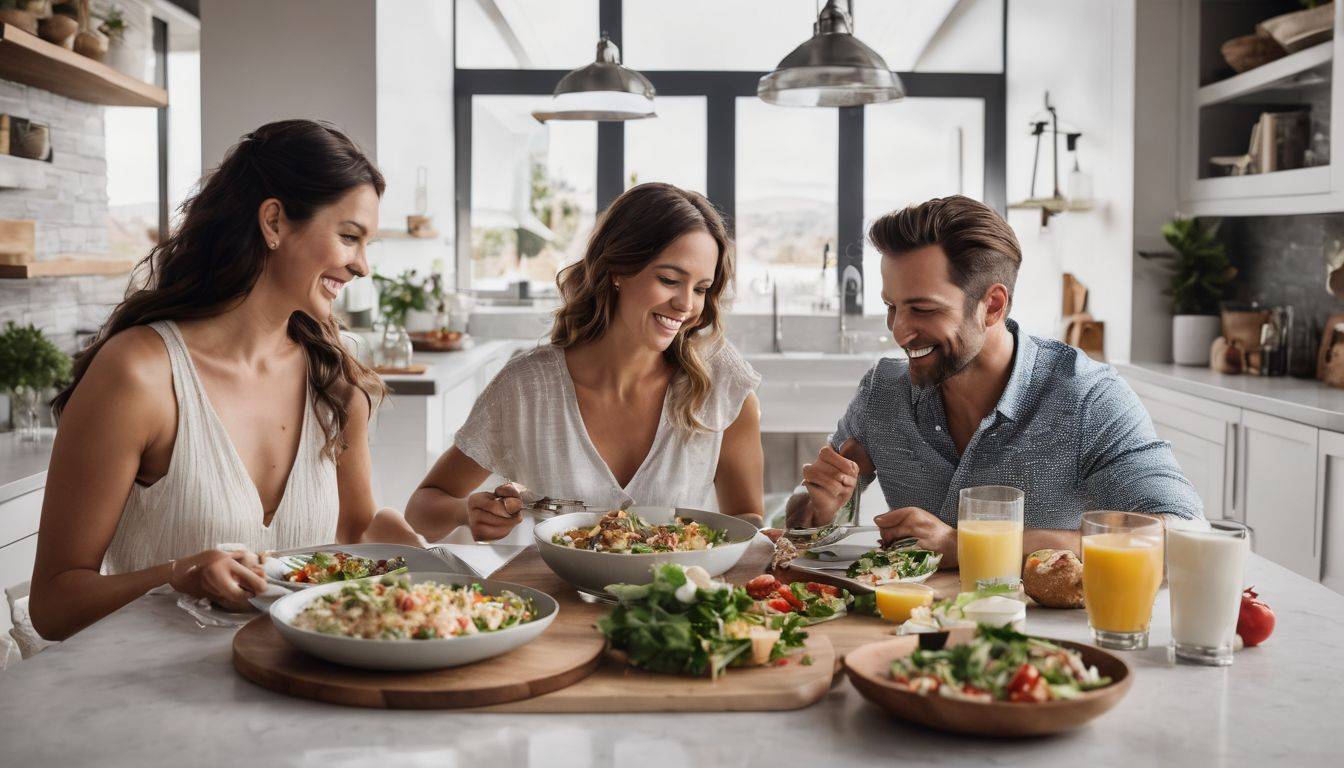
[[829, 482], [932, 533]]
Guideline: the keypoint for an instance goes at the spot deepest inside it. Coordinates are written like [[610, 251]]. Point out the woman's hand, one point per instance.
[[227, 578], [493, 514]]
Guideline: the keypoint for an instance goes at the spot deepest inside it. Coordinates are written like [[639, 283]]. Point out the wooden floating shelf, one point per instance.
[[30, 60], [401, 234], [1277, 74], [66, 267]]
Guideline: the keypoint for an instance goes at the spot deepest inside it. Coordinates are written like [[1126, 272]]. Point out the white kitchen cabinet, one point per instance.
[[19, 519], [1330, 514], [1277, 470], [1203, 437]]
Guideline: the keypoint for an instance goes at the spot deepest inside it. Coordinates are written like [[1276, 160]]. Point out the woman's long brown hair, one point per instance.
[[628, 236], [216, 255]]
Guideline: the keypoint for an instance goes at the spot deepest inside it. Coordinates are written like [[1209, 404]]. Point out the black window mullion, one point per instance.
[[721, 155], [610, 134], [160, 43], [849, 200]]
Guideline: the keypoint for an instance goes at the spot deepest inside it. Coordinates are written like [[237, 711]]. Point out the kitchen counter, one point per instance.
[[448, 369], [1303, 400], [147, 684], [23, 466]]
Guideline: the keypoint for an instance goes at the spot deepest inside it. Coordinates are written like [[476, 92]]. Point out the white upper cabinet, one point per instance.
[[1219, 110]]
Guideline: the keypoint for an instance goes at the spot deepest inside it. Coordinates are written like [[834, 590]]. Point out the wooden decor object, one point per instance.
[[18, 241], [66, 267], [1079, 328]]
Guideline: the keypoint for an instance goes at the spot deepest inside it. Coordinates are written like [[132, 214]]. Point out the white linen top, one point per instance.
[[207, 497], [526, 428]]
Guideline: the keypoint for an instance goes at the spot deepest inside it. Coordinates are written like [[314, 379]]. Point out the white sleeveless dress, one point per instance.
[[207, 498]]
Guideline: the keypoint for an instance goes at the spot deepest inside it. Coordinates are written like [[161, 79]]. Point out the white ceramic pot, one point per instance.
[[1192, 336]]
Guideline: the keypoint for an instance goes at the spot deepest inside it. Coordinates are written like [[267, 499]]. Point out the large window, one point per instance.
[[532, 192], [797, 186]]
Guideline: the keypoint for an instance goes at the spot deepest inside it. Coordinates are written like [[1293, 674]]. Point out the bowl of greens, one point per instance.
[[593, 549]]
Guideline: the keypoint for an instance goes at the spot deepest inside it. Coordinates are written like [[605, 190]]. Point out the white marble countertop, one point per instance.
[[1303, 400], [145, 684], [23, 466], [447, 369]]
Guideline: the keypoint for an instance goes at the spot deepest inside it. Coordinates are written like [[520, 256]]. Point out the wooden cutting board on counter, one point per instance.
[[566, 652]]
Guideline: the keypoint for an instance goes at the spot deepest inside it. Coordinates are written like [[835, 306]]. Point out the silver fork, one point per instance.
[[815, 538]]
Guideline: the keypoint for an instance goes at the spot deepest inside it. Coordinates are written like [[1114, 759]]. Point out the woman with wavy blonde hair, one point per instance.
[[638, 399]]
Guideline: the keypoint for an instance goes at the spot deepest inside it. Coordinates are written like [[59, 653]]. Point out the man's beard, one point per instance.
[[951, 357]]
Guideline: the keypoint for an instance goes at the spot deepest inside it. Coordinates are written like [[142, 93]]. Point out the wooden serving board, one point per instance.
[[564, 670], [566, 652], [615, 687]]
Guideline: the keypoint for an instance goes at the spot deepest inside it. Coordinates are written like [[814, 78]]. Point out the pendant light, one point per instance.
[[603, 90], [833, 69]]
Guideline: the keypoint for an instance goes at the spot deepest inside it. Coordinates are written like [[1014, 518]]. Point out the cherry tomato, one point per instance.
[[762, 586], [822, 589], [787, 593], [1256, 622], [779, 604]]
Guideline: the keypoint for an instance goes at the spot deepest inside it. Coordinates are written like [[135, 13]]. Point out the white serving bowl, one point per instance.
[[413, 654], [592, 571], [417, 559]]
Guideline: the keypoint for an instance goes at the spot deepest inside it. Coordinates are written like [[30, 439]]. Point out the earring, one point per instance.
[[274, 245]]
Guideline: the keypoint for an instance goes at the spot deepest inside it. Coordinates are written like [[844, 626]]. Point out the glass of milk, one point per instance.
[[1206, 563]]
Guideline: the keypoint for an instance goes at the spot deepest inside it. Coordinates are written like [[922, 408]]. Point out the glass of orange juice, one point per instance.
[[1122, 569], [989, 535], [895, 601]]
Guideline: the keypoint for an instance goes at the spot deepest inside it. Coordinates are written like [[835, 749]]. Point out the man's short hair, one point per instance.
[[980, 246]]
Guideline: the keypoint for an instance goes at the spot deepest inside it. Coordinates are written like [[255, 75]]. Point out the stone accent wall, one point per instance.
[[71, 215]]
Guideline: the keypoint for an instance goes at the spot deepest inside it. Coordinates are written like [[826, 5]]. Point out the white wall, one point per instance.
[[263, 60], [1083, 53], [415, 126]]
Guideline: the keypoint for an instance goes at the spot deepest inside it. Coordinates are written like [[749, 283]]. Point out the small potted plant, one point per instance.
[[126, 27], [397, 298], [29, 365], [1199, 273]]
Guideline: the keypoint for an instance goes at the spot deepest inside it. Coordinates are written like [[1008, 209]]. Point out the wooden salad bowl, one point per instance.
[[869, 668]]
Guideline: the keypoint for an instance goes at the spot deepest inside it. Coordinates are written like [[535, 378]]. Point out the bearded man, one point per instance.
[[979, 402]]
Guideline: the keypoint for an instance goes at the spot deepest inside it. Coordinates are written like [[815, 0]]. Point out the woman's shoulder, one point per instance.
[[136, 355], [729, 368], [540, 366]]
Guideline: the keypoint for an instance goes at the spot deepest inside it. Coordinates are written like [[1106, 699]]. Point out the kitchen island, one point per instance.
[[147, 686]]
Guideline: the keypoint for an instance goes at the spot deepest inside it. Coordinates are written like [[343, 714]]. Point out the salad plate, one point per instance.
[[591, 570], [280, 568], [874, 567], [327, 638], [872, 669]]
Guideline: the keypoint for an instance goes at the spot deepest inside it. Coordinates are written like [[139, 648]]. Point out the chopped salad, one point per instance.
[[814, 601], [624, 532], [882, 566], [999, 664], [392, 608], [326, 567], [684, 622]]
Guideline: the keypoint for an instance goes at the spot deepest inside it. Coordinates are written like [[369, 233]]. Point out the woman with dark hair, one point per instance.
[[218, 405], [637, 399]]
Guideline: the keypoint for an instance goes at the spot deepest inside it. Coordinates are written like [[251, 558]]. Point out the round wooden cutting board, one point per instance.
[[564, 654]]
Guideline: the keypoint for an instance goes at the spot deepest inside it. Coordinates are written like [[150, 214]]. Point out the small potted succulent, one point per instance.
[[1199, 272], [29, 365]]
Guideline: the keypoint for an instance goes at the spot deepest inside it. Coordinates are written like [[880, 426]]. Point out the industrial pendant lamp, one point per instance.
[[603, 90], [833, 69]]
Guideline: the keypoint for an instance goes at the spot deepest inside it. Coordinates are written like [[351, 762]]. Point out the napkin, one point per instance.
[[463, 552]]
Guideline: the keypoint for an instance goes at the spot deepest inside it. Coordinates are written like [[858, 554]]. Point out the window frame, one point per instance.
[[720, 90]]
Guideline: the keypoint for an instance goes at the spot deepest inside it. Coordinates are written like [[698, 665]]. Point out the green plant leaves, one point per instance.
[[29, 359]]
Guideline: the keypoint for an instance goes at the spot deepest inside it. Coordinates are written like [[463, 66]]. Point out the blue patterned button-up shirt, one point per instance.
[[1067, 430]]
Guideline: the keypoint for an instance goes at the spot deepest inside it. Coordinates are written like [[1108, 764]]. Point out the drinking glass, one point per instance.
[[989, 535], [1206, 563], [1122, 569]]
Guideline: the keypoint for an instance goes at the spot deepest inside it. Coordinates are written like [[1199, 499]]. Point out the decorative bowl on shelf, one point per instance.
[[1250, 51], [440, 341]]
